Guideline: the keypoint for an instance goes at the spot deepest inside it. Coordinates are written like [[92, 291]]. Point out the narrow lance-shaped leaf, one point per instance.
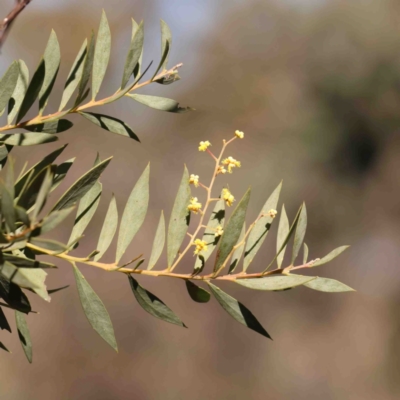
[[61, 172], [329, 257], [134, 213], [275, 282], [237, 254], [237, 310], [56, 126], [217, 218], [19, 92], [305, 253], [7, 208], [197, 293], [328, 285], [10, 178], [54, 219], [81, 186], [111, 124], [180, 217], [300, 233], [158, 243], [52, 58], [24, 335], [43, 192], [152, 304], [160, 103], [7, 84], [134, 52], [166, 40], [3, 321], [232, 231], [94, 310], [261, 228], [24, 262], [74, 75], [23, 139], [283, 231], [29, 194], [108, 230], [13, 295], [86, 209], [101, 54]]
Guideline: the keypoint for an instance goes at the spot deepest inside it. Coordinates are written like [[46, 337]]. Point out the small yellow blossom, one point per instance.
[[239, 134], [201, 245], [230, 162], [272, 213], [218, 231], [228, 197], [221, 170], [204, 145], [194, 205], [194, 180]]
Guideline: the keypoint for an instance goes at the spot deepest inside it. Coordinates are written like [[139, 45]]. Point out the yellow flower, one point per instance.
[[221, 170], [230, 162], [194, 205], [228, 197], [204, 145], [194, 180], [239, 134], [272, 213], [218, 231], [201, 245]]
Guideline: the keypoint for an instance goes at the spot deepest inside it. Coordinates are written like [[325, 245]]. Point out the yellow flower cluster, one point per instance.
[[201, 245], [204, 145], [228, 197], [221, 170], [272, 213], [194, 205], [218, 231], [230, 163], [194, 180], [239, 134]]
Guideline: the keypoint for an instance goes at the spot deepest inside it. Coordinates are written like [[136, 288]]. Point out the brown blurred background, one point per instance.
[[315, 86]]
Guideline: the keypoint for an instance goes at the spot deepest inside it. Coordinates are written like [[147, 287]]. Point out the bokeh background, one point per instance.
[[315, 86]]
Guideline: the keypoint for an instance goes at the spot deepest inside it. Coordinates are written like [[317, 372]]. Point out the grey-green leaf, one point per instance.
[[52, 58], [237, 310], [197, 293], [95, 311], [7, 208], [328, 285], [7, 84], [232, 231], [111, 124], [305, 254], [166, 43], [275, 282], [329, 257], [300, 233], [261, 228], [237, 254], [24, 335], [27, 139], [283, 230], [101, 54], [43, 192], [55, 126], [160, 103], [217, 218], [158, 243], [152, 304], [87, 68], [108, 230], [134, 213], [81, 186], [180, 217], [19, 92]]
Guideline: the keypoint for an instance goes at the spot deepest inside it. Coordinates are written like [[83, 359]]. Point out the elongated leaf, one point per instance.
[[160, 103], [33, 91], [180, 217], [134, 52], [305, 254], [7, 208], [56, 126], [329, 257], [81, 186], [7, 84], [43, 192], [275, 282], [49, 244], [158, 243], [197, 293], [152, 304], [108, 230], [23, 262], [24, 335], [111, 124], [54, 219], [300, 233], [94, 310], [217, 218], [237, 310], [74, 76], [27, 139], [9, 179], [4, 152], [101, 54], [3, 321], [19, 92], [87, 68], [61, 172], [86, 209], [237, 254], [29, 194], [232, 231], [328, 285], [166, 37], [13, 296], [261, 228], [51, 57], [134, 213]]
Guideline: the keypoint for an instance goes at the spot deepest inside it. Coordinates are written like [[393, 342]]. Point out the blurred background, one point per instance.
[[315, 86]]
